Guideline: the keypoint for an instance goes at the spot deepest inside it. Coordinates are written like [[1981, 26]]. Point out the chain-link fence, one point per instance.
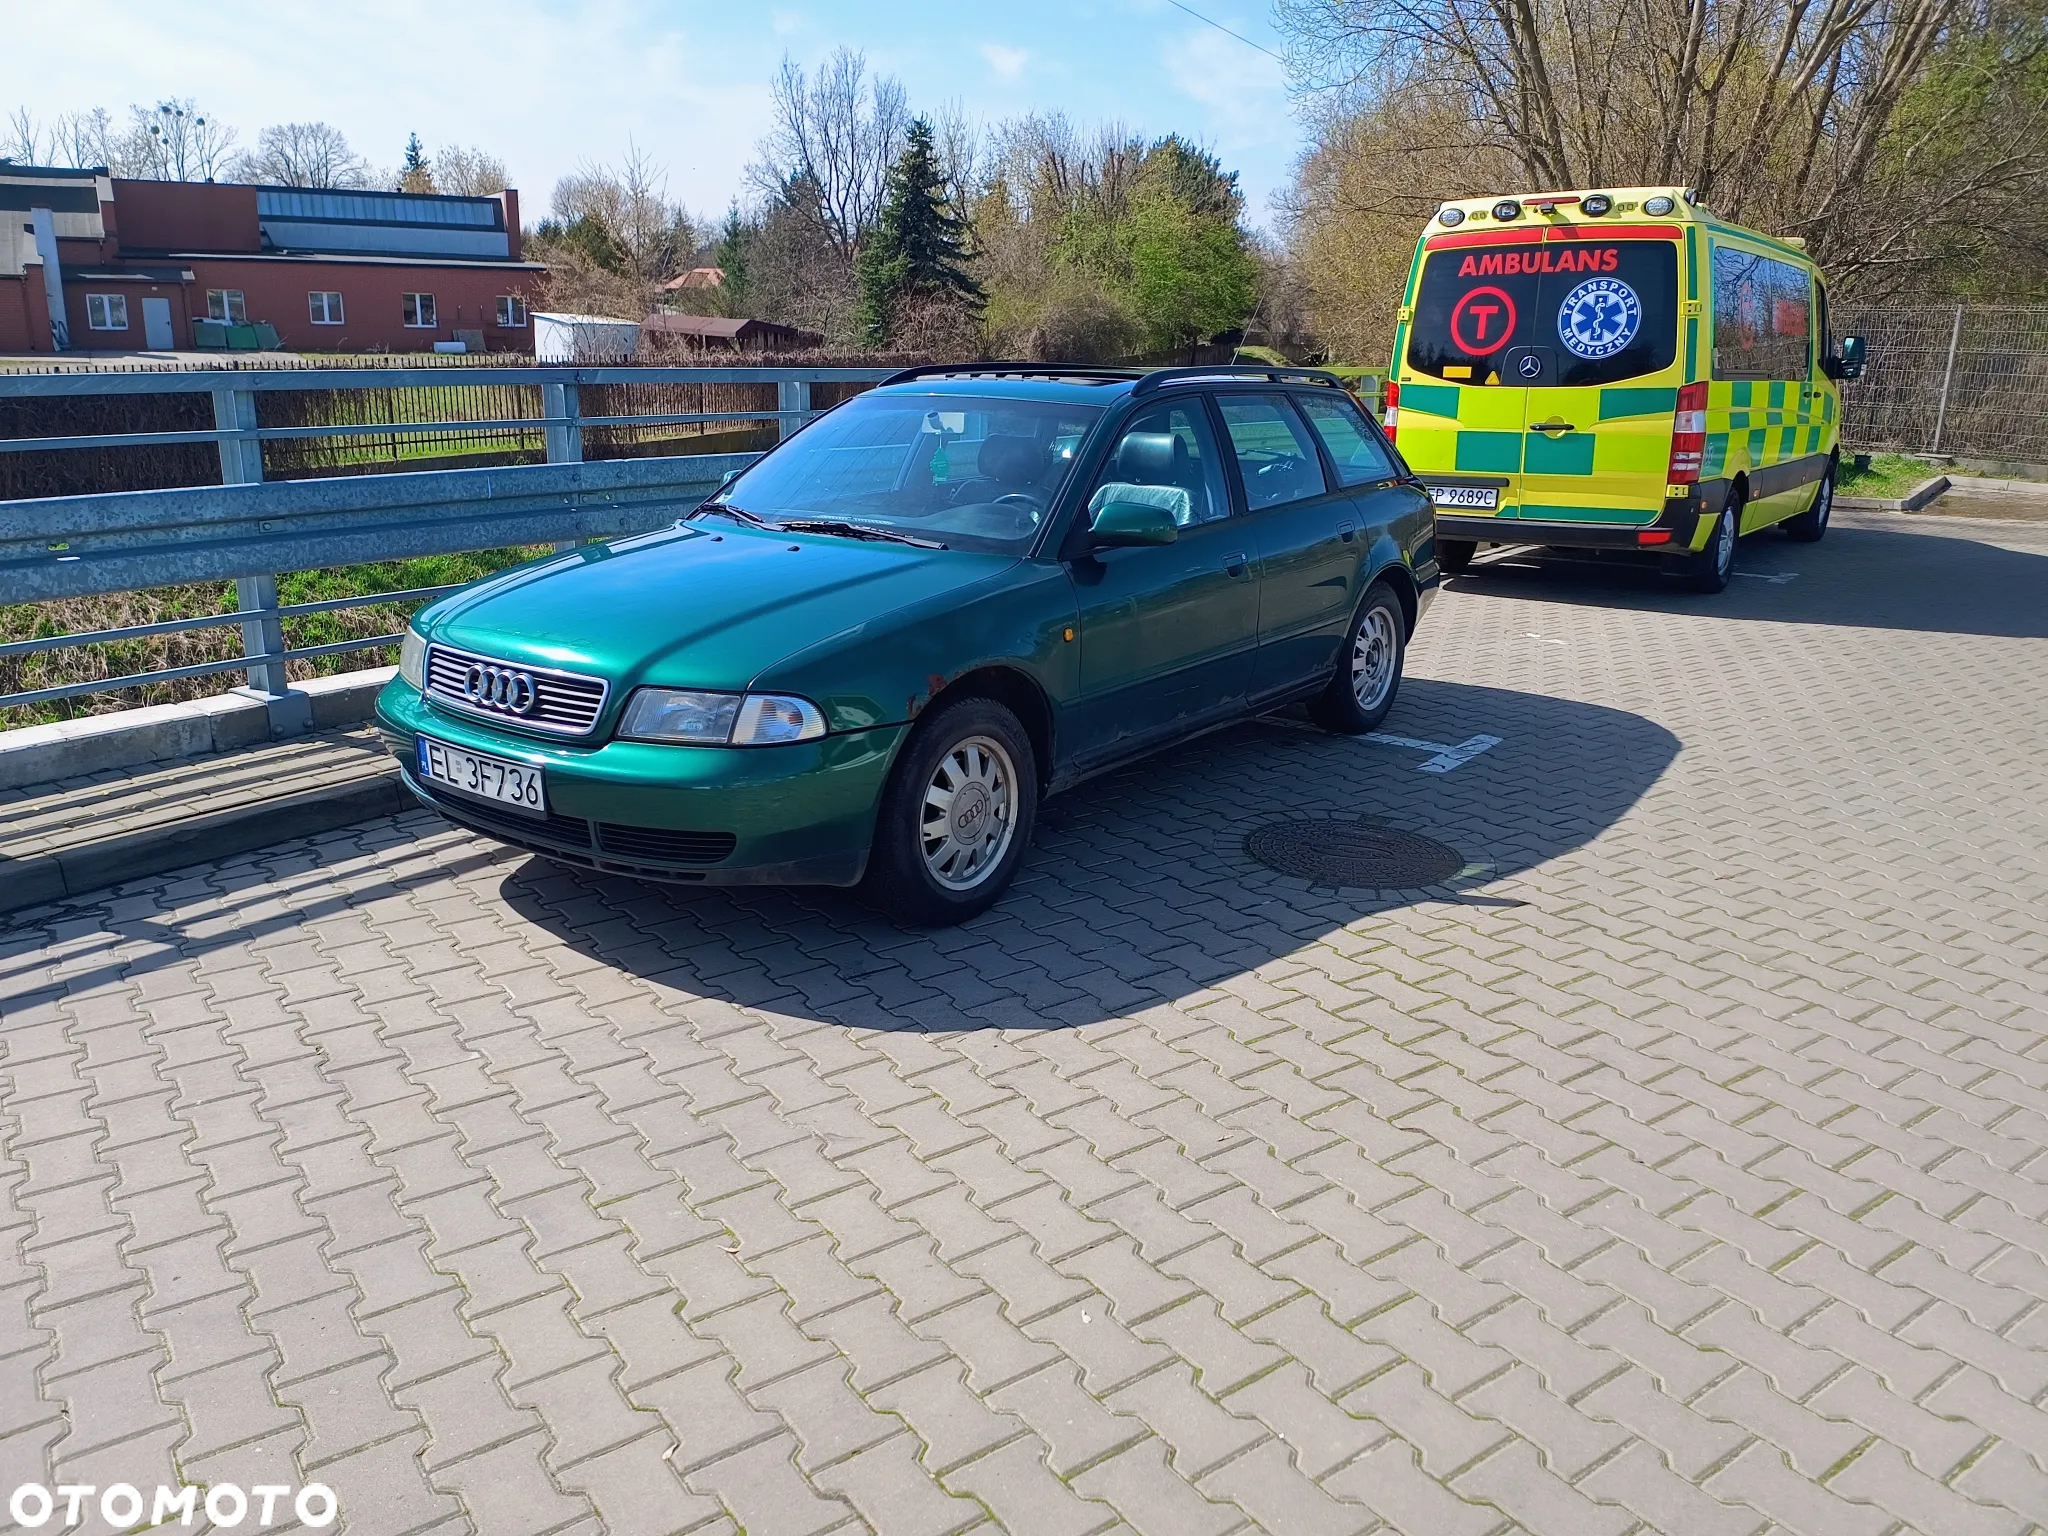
[[1969, 380]]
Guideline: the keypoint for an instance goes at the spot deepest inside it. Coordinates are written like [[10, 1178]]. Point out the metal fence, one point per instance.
[[250, 531], [1967, 380]]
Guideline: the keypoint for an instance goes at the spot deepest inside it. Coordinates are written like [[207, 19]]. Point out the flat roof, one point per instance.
[[346, 259]]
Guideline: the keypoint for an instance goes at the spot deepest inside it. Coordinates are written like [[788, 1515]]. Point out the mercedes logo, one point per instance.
[[501, 688], [1531, 366]]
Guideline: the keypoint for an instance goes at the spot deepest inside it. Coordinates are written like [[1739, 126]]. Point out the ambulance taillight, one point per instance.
[[1392, 419], [1689, 434]]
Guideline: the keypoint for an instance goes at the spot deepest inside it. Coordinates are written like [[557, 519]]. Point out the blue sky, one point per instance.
[[548, 85]]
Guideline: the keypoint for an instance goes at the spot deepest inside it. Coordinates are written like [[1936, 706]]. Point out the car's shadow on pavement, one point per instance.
[[1138, 890], [1872, 578]]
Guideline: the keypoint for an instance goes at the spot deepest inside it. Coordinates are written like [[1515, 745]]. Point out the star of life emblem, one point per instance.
[[1599, 317]]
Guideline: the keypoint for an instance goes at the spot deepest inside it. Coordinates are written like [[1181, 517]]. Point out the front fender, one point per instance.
[[887, 670]]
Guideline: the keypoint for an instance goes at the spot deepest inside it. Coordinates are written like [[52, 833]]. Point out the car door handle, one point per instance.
[[1234, 565], [1347, 531], [1553, 425]]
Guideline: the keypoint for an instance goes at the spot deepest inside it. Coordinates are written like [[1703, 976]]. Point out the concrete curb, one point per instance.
[[48, 877], [1912, 501], [71, 749]]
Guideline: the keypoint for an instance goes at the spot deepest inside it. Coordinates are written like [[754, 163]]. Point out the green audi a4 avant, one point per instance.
[[866, 658]]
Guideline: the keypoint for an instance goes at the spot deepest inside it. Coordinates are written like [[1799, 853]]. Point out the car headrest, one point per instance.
[[1148, 458], [1011, 460]]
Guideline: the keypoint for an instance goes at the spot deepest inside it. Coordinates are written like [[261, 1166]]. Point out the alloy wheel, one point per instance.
[[970, 813], [1373, 652]]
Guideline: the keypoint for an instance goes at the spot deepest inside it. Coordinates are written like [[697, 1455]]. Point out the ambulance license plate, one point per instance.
[[514, 785], [1485, 497]]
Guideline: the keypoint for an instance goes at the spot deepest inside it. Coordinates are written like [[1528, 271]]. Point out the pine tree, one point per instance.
[[919, 247], [735, 242], [415, 171]]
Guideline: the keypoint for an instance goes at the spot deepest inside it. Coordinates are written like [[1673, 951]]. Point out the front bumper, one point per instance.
[[802, 814]]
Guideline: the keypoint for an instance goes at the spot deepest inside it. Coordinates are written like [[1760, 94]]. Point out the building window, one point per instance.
[[419, 311], [226, 306], [511, 313], [106, 311], [326, 308]]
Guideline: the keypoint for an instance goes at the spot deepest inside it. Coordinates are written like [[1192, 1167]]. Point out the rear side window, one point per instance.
[[1352, 445], [1575, 312], [1275, 459], [1763, 316]]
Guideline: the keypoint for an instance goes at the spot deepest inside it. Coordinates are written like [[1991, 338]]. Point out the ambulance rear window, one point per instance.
[[1576, 313]]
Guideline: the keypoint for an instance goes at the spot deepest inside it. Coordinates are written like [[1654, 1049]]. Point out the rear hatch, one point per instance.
[[1542, 365]]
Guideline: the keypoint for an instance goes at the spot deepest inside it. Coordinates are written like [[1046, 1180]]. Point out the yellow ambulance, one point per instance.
[[1616, 371]]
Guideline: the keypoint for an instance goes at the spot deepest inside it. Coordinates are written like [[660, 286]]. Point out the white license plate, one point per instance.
[[1483, 496], [488, 778]]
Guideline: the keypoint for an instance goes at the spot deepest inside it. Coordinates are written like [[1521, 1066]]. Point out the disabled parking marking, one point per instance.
[[1444, 758]]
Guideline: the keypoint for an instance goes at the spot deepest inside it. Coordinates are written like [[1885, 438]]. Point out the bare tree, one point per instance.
[[175, 141], [305, 155], [631, 203], [1784, 113], [22, 140], [89, 141], [469, 172], [839, 133]]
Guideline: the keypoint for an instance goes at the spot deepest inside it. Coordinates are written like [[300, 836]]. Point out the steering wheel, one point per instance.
[[1027, 504]]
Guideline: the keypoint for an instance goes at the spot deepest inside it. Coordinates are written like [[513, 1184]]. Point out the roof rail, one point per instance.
[[1158, 378], [1012, 371]]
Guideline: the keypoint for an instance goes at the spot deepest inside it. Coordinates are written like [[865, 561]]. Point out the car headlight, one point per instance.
[[720, 719], [412, 660]]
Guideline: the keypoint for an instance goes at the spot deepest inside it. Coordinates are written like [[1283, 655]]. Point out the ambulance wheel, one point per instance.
[[1453, 556], [1810, 526], [1709, 570]]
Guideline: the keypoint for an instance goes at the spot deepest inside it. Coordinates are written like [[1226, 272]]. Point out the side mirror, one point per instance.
[[1131, 524], [1849, 364], [727, 479]]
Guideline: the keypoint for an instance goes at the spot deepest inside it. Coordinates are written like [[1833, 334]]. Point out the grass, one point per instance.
[[1890, 476], [49, 669]]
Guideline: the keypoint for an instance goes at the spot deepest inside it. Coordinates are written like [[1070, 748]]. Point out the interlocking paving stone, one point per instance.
[[1684, 1169]]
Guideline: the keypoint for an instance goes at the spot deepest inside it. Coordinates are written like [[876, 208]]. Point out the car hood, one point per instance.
[[696, 605]]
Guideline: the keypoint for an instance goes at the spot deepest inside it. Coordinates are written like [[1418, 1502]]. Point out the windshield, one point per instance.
[[962, 471], [1583, 311]]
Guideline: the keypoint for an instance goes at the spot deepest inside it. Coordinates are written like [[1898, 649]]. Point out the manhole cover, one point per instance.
[[1353, 853]]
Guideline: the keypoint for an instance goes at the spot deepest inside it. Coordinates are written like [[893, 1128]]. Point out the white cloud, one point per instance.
[[1007, 62], [1246, 89]]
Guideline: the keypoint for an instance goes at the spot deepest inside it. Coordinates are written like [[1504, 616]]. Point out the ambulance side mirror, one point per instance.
[[1848, 363]]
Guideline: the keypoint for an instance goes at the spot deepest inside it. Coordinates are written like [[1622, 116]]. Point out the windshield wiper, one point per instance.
[[853, 531], [737, 514]]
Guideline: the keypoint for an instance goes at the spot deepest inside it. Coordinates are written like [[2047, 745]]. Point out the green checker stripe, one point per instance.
[[1487, 453], [1738, 394], [1716, 459], [1571, 454], [1777, 397], [1432, 399], [1788, 442], [1617, 403]]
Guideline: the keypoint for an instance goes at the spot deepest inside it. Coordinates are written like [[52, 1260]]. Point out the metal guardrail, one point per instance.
[[249, 530]]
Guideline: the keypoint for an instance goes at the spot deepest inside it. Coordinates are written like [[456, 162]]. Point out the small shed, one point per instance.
[[584, 339], [716, 332]]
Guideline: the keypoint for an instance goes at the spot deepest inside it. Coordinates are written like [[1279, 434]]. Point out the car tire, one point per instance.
[[1710, 569], [1454, 556], [1811, 526], [928, 868], [1368, 676]]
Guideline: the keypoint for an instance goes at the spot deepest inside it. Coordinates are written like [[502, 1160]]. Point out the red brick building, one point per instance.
[[167, 265]]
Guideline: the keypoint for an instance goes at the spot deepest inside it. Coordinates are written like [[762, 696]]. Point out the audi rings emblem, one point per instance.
[[500, 688]]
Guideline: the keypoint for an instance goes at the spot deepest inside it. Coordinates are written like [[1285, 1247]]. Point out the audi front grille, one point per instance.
[[525, 698]]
